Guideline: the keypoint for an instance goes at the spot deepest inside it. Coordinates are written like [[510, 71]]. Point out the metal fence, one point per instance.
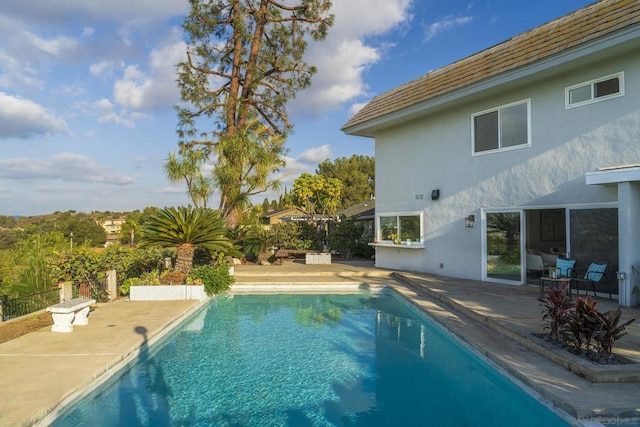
[[15, 307], [96, 290]]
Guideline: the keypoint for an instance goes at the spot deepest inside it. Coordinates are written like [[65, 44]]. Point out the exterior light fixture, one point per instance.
[[435, 194], [470, 221]]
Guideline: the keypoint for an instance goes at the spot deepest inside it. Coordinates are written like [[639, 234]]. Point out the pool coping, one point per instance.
[[543, 375], [626, 373]]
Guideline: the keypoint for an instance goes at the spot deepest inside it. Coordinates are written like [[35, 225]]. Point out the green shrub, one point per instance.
[[215, 279], [345, 237], [150, 278], [125, 288], [292, 235], [511, 257], [363, 250]]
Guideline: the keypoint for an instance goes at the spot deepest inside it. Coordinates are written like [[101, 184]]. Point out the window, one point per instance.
[[596, 90], [396, 228], [502, 128]]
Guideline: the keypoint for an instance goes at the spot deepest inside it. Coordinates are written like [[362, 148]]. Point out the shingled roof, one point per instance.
[[569, 31]]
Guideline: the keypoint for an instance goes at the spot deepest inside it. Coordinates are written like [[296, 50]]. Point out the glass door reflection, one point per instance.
[[503, 246]]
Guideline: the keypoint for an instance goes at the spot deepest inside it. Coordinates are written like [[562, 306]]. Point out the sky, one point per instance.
[[87, 89]]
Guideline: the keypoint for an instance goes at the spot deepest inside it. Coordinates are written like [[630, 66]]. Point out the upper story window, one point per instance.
[[501, 128], [595, 90]]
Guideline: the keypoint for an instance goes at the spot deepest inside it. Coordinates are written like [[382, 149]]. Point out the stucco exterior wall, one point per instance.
[[435, 152]]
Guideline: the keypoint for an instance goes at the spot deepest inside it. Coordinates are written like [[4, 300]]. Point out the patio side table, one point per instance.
[[564, 282]]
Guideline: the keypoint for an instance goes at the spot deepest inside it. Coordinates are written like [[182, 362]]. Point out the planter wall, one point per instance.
[[167, 292], [323, 258]]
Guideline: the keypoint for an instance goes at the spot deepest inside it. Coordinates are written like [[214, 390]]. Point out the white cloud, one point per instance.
[[17, 74], [340, 78], [107, 114], [445, 24], [307, 161], [345, 55], [63, 166], [100, 68], [22, 118], [155, 88], [27, 56], [64, 11], [173, 190], [54, 47], [28, 48], [317, 154], [355, 19], [356, 107]]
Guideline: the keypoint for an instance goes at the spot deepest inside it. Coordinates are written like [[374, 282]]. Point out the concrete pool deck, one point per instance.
[[42, 370]]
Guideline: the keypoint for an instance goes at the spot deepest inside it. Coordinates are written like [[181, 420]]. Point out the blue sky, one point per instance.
[[87, 89]]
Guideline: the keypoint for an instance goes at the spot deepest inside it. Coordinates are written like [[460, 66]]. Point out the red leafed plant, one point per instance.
[[556, 312], [581, 325], [609, 331]]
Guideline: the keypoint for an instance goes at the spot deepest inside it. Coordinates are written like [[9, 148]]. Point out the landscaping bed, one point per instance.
[[15, 328]]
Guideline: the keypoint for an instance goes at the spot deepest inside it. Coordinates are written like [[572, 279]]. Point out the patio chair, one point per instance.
[[534, 261], [539, 261], [565, 274], [566, 266], [594, 274]]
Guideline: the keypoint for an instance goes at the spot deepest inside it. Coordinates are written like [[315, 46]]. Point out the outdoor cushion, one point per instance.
[[565, 265], [595, 272], [549, 259]]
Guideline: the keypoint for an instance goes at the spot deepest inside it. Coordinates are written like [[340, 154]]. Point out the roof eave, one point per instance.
[[629, 35]]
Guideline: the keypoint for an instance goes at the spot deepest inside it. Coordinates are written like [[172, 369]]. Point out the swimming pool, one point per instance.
[[310, 360]]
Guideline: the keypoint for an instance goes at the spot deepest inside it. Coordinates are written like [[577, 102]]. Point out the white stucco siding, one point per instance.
[[412, 162], [435, 153]]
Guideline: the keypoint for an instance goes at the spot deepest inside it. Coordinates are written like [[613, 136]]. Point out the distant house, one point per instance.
[[112, 228], [292, 215], [364, 213], [533, 143], [283, 215], [361, 211]]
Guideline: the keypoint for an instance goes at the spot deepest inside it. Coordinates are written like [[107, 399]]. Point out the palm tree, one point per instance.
[[186, 228], [187, 166]]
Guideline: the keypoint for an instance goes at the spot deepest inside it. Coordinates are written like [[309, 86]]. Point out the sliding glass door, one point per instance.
[[503, 246]]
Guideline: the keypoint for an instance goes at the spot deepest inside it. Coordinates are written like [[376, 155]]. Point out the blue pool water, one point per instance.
[[310, 360]]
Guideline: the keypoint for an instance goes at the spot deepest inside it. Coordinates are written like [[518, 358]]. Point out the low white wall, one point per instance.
[[167, 292], [324, 258]]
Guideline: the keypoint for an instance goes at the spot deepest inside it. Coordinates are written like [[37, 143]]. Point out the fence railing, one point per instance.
[[98, 290], [15, 307], [102, 290]]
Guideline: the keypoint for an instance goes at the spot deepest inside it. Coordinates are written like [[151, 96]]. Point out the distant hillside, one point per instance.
[[21, 221]]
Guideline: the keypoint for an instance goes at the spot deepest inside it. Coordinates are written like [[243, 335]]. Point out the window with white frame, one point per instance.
[[396, 228], [501, 128], [594, 91]]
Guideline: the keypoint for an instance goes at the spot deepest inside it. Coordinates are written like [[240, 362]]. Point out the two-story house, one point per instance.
[[112, 228], [532, 144]]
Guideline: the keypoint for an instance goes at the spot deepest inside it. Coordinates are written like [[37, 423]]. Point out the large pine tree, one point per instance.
[[244, 63]]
